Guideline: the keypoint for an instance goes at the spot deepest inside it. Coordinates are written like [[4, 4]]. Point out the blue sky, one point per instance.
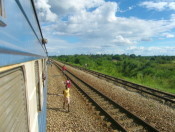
[[141, 27]]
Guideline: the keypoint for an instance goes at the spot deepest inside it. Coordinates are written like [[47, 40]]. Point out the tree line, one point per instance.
[[152, 71]]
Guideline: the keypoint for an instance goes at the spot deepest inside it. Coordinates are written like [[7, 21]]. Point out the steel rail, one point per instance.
[[113, 121], [167, 97], [137, 120]]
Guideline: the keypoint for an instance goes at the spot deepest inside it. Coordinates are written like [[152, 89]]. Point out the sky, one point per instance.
[[141, 27]]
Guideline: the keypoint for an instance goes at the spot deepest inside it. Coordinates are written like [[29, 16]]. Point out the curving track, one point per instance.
[[118, 117]]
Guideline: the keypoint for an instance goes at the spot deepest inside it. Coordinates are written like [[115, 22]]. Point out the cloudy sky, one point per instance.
[[141, 27]]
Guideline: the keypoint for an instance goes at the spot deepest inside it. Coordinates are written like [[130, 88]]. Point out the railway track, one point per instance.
[[164, 97], [118, 117]]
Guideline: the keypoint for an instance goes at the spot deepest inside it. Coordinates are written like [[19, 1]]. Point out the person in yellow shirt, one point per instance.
[[66, 95]]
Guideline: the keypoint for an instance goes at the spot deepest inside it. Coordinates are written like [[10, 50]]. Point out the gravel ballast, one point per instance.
[[81, 118], [155, 113]]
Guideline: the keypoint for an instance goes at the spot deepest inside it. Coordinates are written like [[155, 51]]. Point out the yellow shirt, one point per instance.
[[66, 93]]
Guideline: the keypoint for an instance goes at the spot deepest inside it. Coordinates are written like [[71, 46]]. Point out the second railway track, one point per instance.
[[119, 118], [164, 97]]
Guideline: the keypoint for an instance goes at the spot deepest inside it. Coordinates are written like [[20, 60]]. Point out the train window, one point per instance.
[[38, 93], [13, 104], [43, 72], [1, 7], [43, 64], [2, 11], [2, 14]]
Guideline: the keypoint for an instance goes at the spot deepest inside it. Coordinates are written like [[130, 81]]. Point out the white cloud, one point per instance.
[[104, 28], [173, 17], [172, 5], [128, 9], [148, 51], [69, 7], [44, 11], [159, 6], [96, 24], [168, 35], [121, 39]]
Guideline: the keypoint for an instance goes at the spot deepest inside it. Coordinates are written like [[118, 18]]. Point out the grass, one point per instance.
[[148, 82]]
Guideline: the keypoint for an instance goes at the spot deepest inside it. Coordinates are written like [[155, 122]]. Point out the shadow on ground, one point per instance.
[[58, 109], [55, 94]]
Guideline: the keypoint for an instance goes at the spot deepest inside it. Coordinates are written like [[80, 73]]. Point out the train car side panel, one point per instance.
[[42, 114], [35, 119], [19, 39], [31, 94], [13, 105], [43, 95], [22, 47]]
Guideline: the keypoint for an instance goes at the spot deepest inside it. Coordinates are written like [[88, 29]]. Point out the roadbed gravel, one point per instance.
[[81, 117], [153, 112]]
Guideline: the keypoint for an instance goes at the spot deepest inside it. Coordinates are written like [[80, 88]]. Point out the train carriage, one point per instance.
[[23, 68]]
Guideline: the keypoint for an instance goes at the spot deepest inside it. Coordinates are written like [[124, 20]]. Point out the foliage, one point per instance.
[[153, 71]]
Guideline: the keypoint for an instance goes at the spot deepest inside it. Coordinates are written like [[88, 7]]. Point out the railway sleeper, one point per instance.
[[88, 90], [113, 111], [129, 124], [93, 107], [92, 92], [102, 117], [99, 99], [105, 103], [136, 129], [94, 95], [120, 116], [97, 112], [115, 131], [108, 124], [89, 104], [106, 107], [166, 96], [126, 121], [88, 93]]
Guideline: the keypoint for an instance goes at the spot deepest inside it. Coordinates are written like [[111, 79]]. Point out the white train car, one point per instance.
[[23, 68]]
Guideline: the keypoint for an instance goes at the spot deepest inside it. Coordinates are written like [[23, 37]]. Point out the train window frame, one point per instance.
[[43, 72], [2, 9], [38, 89], [2, 14]]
